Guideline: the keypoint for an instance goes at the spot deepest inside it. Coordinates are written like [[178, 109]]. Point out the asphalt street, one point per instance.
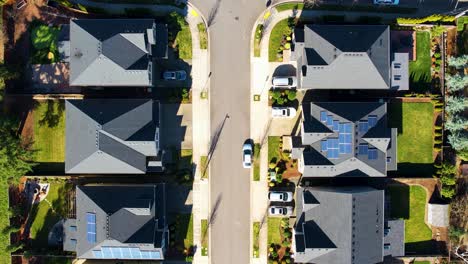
[[230, 24]]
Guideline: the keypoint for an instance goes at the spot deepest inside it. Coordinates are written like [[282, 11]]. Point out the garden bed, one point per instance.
[[279, 36], [181, 230], [279, 240]]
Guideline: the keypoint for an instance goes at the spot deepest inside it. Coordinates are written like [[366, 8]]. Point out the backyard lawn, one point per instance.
[[48, 212], [49, 131], [417, 234], [274, 230], [420, 70], [44, 41], [415, 136], [4, 223], [279, 30]]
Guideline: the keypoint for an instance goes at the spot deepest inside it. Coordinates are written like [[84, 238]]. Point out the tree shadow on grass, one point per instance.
[[420, 83], [53, 113]]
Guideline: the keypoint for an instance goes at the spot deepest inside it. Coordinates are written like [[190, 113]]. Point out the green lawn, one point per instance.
[[256, 244], [420, 70], [184, 42], [184, 229], [274, 230], [256, 162], [273, 148], [415, 136], [203, 36], [417, 233], [185, 159], [461, 22], [422, 262], [204, 237], [4, 223], [279, 30], [49, 131], [47, 213], [289, 6], [257, 39], [44, 42], [204, 167]]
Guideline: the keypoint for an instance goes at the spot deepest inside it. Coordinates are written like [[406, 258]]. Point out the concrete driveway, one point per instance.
[[176, 126]]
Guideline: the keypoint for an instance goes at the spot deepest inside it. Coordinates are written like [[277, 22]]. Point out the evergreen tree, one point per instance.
[[456, 82], [459, 140], [455, 104], [458, 62], [456, 123]]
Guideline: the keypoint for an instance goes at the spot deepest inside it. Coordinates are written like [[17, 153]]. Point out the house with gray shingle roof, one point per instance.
[[348, 57], [118, 222], [115, 52], [343, 225], [345, 139], [112, 136]]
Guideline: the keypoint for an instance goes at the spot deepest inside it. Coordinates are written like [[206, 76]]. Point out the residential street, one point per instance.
[[229, 95]]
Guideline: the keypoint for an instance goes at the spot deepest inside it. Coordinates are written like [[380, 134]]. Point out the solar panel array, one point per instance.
[[126, 253], [365, 125], [91, 227], [335, 146]]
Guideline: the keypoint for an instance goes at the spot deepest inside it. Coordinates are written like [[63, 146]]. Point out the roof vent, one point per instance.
[[78, 54]]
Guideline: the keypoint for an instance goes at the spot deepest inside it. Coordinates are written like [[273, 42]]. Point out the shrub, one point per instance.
[[448, 191], [431, 18], [456, 104], [292, 95], [458, 62], [456, 123], [436, 31], [456, 82], [437, 55], [458, 140]]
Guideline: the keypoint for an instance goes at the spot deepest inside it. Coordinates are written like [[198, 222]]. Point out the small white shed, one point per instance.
[[438, 215]]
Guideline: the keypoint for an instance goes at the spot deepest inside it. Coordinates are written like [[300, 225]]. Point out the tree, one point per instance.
[[15, 156], [458, 140], [463, 154], [456, 82], [7, 73], [436, 31], [458, 62], [455, 104], [448, 191], [456, 123], [448, 180]]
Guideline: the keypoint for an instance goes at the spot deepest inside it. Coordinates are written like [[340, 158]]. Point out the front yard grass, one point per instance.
[[47, 213], [204, 237], [257, 39], [49, 131], [289, 6], [203, 36], [274, 148], [44, 42], [280, 30], [183, 226], [274, 230], [415, 136], [420, 70], [417, 234]]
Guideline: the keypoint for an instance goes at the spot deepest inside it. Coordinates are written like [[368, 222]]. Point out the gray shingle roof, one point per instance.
[[114, 52], [339, 225], [379, 138], [359, 54], [126, 216], [111, 135]]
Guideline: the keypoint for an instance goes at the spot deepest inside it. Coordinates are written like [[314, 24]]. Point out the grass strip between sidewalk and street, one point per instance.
[[257, 40], [256, 243], [204, 237], [203, 36], [256, 162], [204, 167]]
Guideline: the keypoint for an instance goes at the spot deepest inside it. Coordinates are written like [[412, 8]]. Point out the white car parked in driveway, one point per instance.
[[280, 211], [284, 81], [276, 196], [283, 112], [247, 155]]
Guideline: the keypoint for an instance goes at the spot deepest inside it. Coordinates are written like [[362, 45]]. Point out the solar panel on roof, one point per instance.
[[106, 252], [329, 120], [342, 149], [362, 149], [372, 154], [126, 253], [323, 116], [116, 252], [336, 125], [341, 128], [91, 227], [145, 254], [363, 126], [97, 253], [348, 149], [155, 254], [347, 128], [135, 253], [372, 120], [324, 145]]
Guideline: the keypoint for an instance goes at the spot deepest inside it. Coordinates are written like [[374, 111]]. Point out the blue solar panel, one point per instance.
[[324, 145], [155, 254], [341, 128], [97, 253], [336, 124], [347, 138], [106, 252], [126, 253], [145, 254], [116, 251], [332, 154], [348, 149], [135, 253], [329, 144], [363, 126], [335, 142], [329, 120], [342, 149], [362, 149], [323, 116], [91, 227], [347, 128], [91, 217], [372, 154], [372, 119]]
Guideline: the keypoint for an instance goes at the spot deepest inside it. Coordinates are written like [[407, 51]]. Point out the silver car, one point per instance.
[[247, 155], [280, 196], [283, 211], [284, 81]]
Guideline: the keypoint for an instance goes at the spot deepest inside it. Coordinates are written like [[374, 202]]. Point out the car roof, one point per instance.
[[281, 80]]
